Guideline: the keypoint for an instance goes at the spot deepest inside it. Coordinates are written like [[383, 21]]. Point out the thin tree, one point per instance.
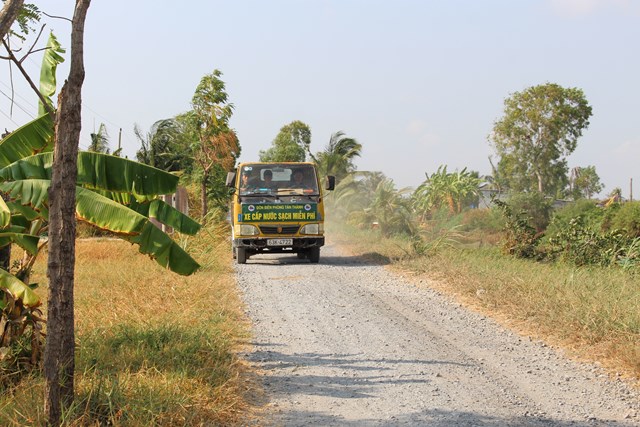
[[59, 354], [217, 144]]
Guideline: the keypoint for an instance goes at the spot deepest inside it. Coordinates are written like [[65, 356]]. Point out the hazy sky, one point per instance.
[[418, 83]]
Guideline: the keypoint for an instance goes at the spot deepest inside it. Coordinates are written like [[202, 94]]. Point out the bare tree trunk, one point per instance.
[[59, 354], [203, 195], [540, 186]]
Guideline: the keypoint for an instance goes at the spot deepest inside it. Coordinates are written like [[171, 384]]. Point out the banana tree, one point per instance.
[[101, 179]]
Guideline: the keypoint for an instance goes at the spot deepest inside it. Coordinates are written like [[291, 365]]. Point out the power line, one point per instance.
[[17, 104], [28, 101], [9, 117]]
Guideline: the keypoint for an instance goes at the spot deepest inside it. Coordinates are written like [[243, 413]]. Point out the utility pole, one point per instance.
[[631, 189]]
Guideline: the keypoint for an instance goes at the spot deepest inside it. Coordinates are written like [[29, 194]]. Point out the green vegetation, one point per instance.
[[290, 145], [540, 127], [338, 156], [456, 190]]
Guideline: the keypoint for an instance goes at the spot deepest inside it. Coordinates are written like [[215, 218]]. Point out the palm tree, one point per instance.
[[165, 146], [392, 209], [337, 157]]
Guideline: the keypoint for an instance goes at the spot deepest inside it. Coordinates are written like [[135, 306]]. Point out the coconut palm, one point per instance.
[[337, 157], [164, 146]]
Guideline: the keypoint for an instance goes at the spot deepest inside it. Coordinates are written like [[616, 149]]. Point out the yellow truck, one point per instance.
[[277, 208]]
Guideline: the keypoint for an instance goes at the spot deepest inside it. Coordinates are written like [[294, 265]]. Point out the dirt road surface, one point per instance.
[[348, 343]]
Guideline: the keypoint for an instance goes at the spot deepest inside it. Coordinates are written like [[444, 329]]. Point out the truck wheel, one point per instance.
[[302, 254], [314, 255], [241, 255]]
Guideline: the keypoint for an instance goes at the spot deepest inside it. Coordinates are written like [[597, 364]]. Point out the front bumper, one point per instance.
[[259, 244]]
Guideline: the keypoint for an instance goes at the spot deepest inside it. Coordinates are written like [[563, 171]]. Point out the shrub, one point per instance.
[[521, 238], [590, 213], [627, 218], [488, 221], [581, 244], [535, 206]]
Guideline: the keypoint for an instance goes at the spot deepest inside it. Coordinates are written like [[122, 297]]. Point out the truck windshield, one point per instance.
[[278, 179]]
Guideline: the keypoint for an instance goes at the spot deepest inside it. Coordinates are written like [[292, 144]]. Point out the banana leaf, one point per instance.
[[27, 242], [19, 222], [167, 215], [5, 214], [29, 192], [134, 227], [166, 252], [50, 61], [18, 289], [100, 172], [107, 214], [33, 167], [111, 173], [19, 210], [32, 196], [34, 137], [152, 241]]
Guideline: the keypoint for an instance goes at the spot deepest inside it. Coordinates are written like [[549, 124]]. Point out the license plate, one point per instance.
[[279, 242]]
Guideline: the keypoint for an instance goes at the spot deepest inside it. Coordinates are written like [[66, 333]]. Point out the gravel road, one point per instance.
[[348, 343]]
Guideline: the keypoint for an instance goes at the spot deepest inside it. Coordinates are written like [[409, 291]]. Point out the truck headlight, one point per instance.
[[246, 230], [312, 229]]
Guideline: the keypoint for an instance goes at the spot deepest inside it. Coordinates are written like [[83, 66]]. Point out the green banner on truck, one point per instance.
[[278, 212]]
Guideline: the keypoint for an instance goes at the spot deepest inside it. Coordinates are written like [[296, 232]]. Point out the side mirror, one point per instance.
[[330, 182], [231, 179]]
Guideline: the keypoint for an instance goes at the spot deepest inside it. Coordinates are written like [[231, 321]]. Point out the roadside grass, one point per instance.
[[153, 347], [594, 313]]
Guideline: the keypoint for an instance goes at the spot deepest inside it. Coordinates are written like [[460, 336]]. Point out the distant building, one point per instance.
[[486, 192]]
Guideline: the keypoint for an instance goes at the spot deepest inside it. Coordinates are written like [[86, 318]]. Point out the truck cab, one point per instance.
[[277, 207]]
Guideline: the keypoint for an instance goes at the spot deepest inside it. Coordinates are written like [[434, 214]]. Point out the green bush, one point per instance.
[[581, 244], [627, 218], [521, 238], [488, 221], [533, 205], [588, 210]]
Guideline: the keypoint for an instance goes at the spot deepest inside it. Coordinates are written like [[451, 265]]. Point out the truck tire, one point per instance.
[[241, 255], [314, 255], [301, 255]]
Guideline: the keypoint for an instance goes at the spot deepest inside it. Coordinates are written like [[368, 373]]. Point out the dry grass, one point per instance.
[[153, 347], [592, 312]]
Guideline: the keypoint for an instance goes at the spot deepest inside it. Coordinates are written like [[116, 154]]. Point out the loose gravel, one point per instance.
[[347, 343]]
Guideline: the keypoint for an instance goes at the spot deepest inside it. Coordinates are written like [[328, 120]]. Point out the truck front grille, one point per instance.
[[279, 229]]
